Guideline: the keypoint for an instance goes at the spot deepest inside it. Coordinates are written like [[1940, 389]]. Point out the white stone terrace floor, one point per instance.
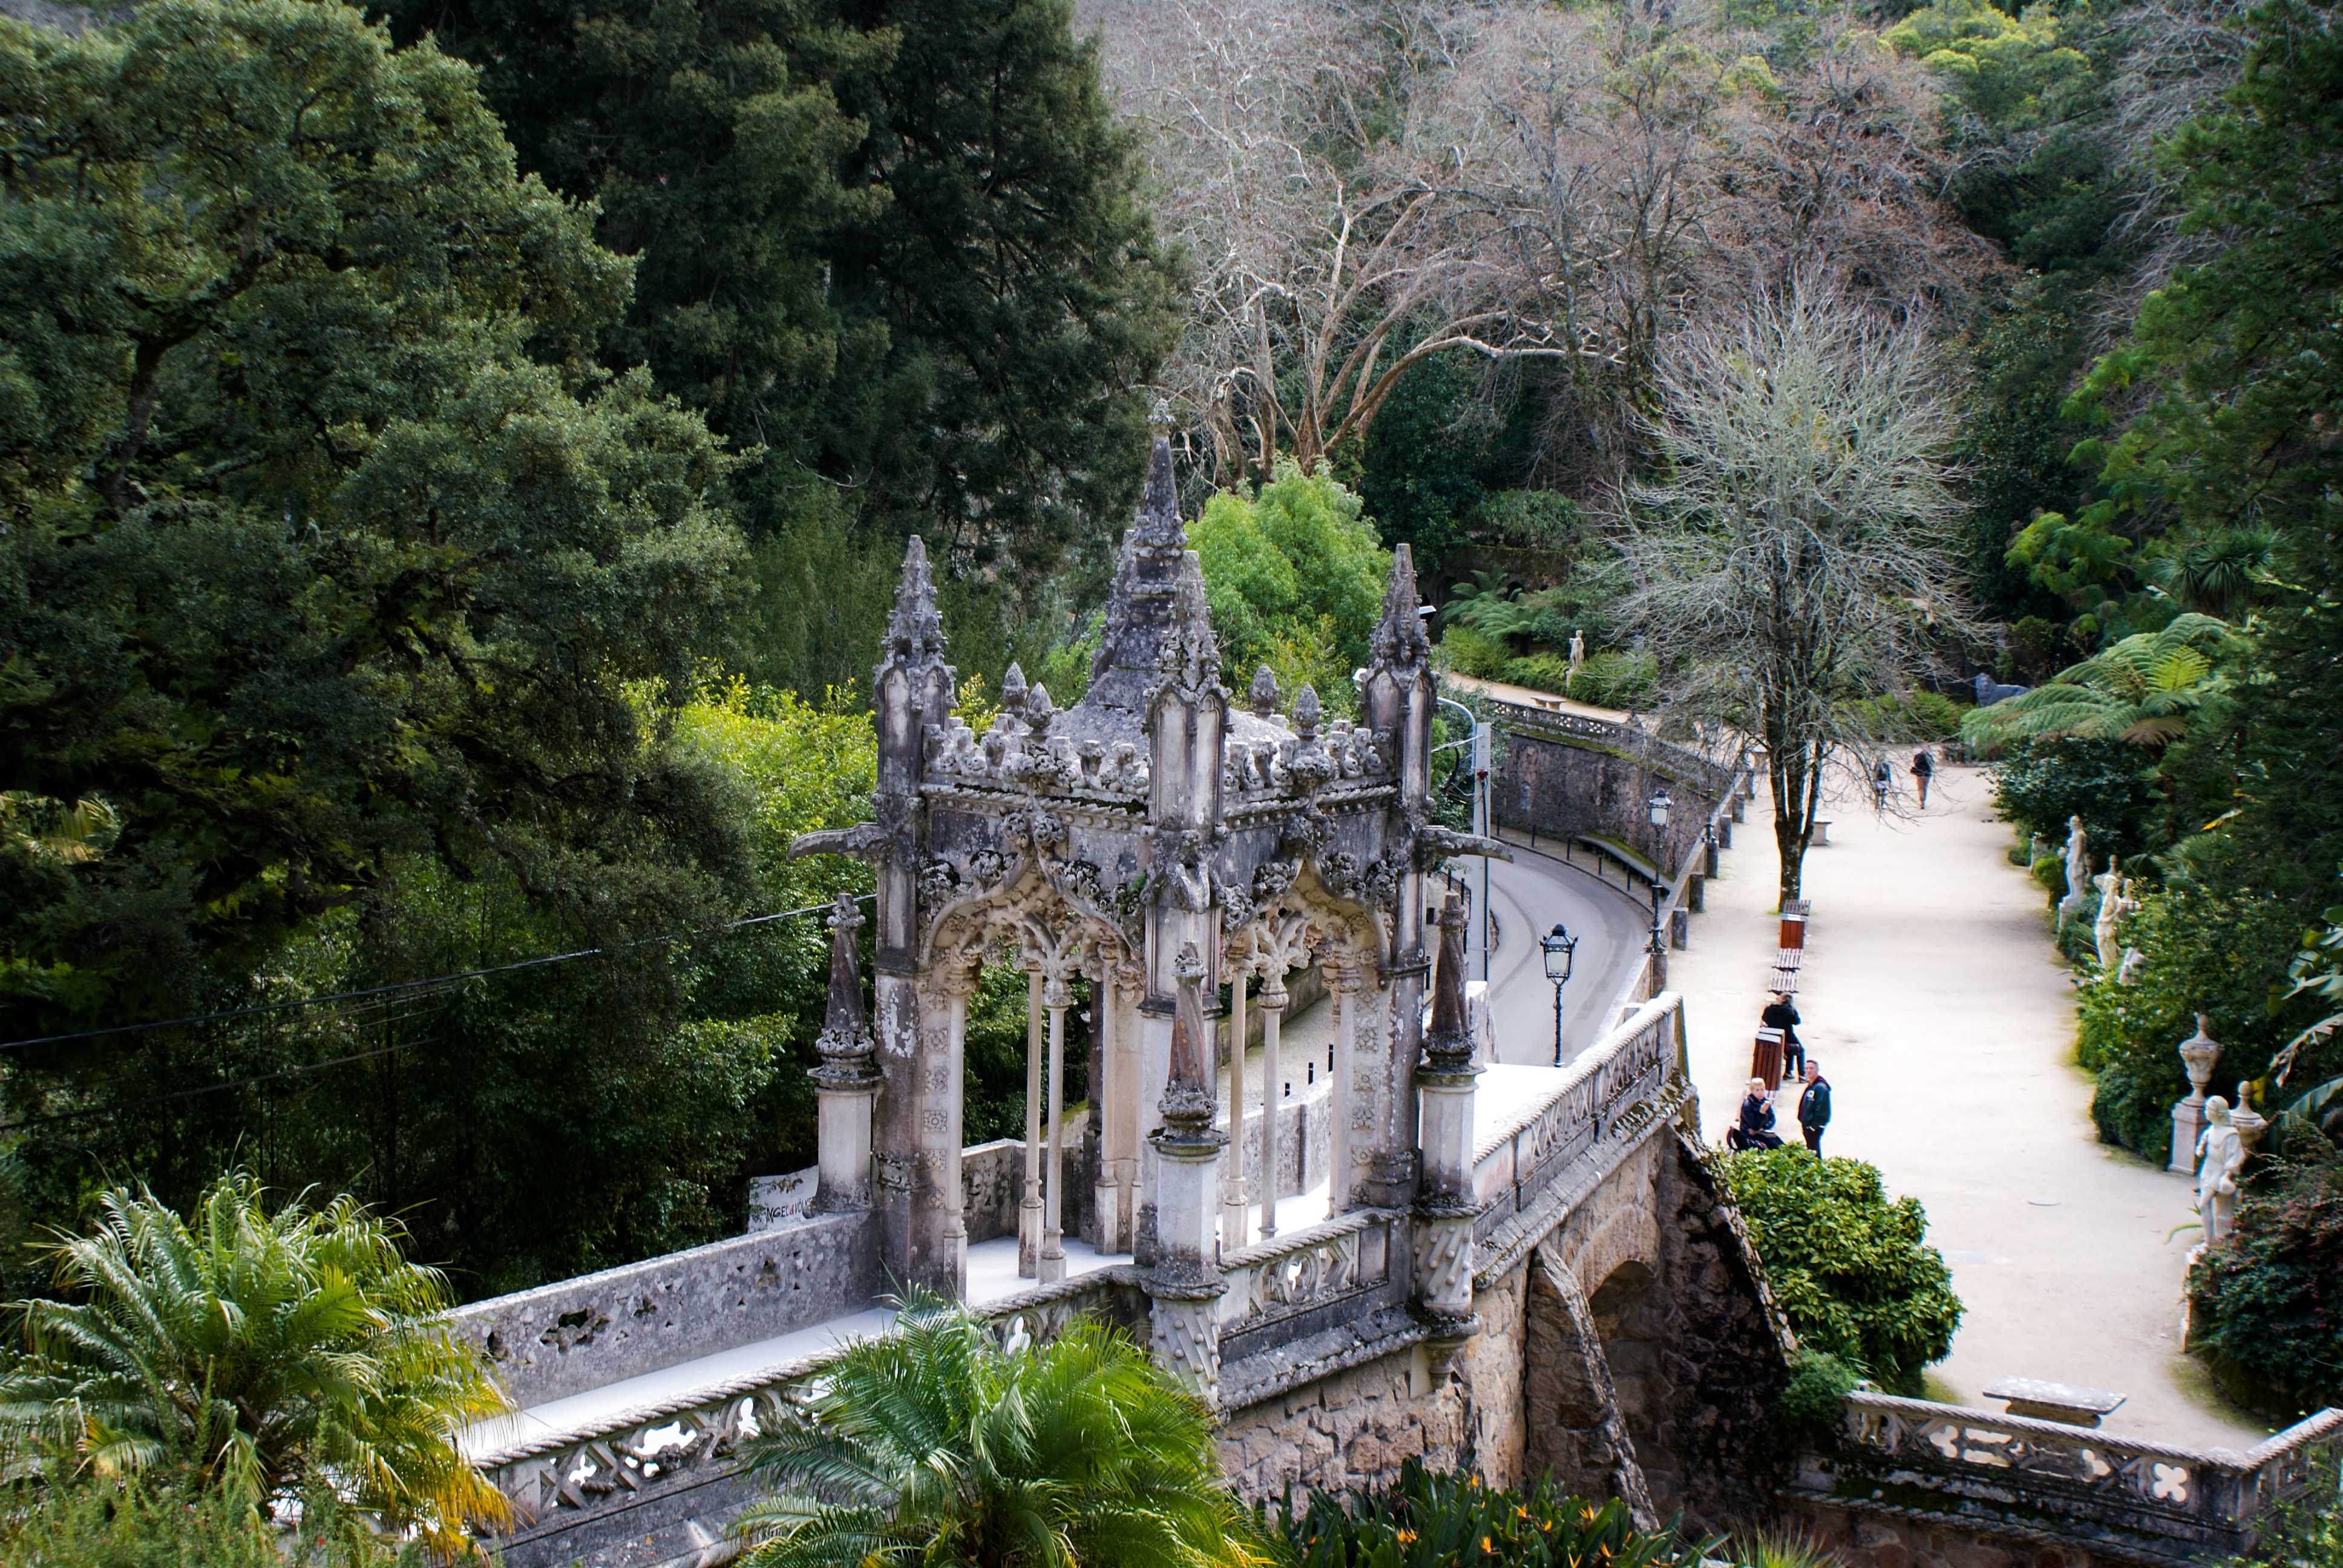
[[1504, 1093]]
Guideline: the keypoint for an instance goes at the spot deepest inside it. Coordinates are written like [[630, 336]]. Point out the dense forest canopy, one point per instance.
[[454, 461]]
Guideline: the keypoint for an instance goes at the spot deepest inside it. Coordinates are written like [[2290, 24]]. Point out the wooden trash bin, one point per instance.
[[1766, 1059], [1794, 929]]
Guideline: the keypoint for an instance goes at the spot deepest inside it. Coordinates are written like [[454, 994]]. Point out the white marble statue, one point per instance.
[[2078, 871], [2114, 902], [2219, 1153], [1577, 657], [2127, 971]]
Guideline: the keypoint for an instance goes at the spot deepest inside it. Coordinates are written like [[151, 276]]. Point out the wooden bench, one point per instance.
[[1628, 860]]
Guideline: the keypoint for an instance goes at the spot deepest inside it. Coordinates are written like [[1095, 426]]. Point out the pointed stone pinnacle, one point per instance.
[[915, 630], [1448, 1043], [1158, 522], [1399, 636], [1187, 1101], [1014, 690], [844, 1042]]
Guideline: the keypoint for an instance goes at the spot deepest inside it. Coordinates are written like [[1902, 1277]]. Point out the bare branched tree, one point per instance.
[[1790, 559], [1337, 235]]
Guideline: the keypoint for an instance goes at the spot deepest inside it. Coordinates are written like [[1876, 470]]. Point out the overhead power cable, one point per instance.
[[398, 987]]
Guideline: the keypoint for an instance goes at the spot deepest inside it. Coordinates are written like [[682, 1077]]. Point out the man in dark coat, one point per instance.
[[1923, 768], [1779, 1014], [1813, 1107]]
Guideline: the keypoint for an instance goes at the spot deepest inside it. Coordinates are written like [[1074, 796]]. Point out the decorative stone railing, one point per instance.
[[2027, 1476], [681, 1440], [1619, 1082], [1279, 1289], [1663, 756]]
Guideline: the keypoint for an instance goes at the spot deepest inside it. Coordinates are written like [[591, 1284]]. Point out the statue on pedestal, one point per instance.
[[2219, 1154], [2078, 871], [1577, 657], [2114, 902]]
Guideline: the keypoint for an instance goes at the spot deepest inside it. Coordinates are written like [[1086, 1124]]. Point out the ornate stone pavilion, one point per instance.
[[1164, 842]]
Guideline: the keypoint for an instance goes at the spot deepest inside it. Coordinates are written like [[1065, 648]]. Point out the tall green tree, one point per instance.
[[325, 541], [894, 244], [2232, 379]]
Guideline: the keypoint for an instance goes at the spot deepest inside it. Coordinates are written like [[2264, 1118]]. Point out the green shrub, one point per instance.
[[2207, 952], [1424, 1520], [1852, 1268], [2108, 783], [94, 1525], [1469, 652], [1542, 520], [1815, 1399], [2306, 1531], [1915, 718], [1540, 672], [2268, 1298], [1614, 679]]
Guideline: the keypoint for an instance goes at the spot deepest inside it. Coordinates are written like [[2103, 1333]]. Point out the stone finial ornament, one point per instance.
[[1014, 690], [2199, 1052], [1264, 693]]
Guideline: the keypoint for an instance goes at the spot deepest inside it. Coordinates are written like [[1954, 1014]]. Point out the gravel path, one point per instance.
[[1943, 1017]]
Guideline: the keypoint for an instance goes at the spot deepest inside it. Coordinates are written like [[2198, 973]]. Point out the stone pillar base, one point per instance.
[[2188, 1126]]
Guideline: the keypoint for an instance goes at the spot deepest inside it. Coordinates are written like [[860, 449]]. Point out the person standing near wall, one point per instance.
[[1780, 1014], [1815, 1108]]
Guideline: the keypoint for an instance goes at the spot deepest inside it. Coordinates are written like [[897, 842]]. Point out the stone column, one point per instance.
[[846, 1083], [1029, 1212], [1056, 997], [2199, 1052], [1274, 1000], [1443, 1205], [1338, 1120], [1234, 1207], [1184, 1281], [941, 1141]]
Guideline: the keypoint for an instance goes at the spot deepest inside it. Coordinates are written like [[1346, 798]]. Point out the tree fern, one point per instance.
[[2143, 690]]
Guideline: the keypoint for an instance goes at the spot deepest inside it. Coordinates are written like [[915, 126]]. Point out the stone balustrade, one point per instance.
[[1281, 1287], [694, 1435], [2018, 1476], [1620, 1083]]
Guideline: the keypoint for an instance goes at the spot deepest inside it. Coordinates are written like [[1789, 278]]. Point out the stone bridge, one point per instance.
[[1405, 1247]]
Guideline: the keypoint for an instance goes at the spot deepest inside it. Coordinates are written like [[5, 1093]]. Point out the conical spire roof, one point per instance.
[[1399, 635], [915, 630], [1147, 606]]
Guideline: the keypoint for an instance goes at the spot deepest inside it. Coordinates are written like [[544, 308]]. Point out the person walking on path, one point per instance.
[[1923, 768], [1814, 1108], [1756, 1128], [1882, 780], [1779, 1014]]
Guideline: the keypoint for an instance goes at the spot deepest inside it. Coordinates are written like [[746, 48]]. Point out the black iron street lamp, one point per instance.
[[1658, 806], [1559, 945]]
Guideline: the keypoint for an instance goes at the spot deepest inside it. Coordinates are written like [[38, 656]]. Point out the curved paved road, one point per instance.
[[1530, 894]]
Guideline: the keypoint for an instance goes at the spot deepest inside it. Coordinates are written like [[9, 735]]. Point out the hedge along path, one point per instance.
[[1944, 1020]]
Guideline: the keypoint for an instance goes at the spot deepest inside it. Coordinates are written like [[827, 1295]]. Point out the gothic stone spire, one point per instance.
[[915, 631], [1399, 636]]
